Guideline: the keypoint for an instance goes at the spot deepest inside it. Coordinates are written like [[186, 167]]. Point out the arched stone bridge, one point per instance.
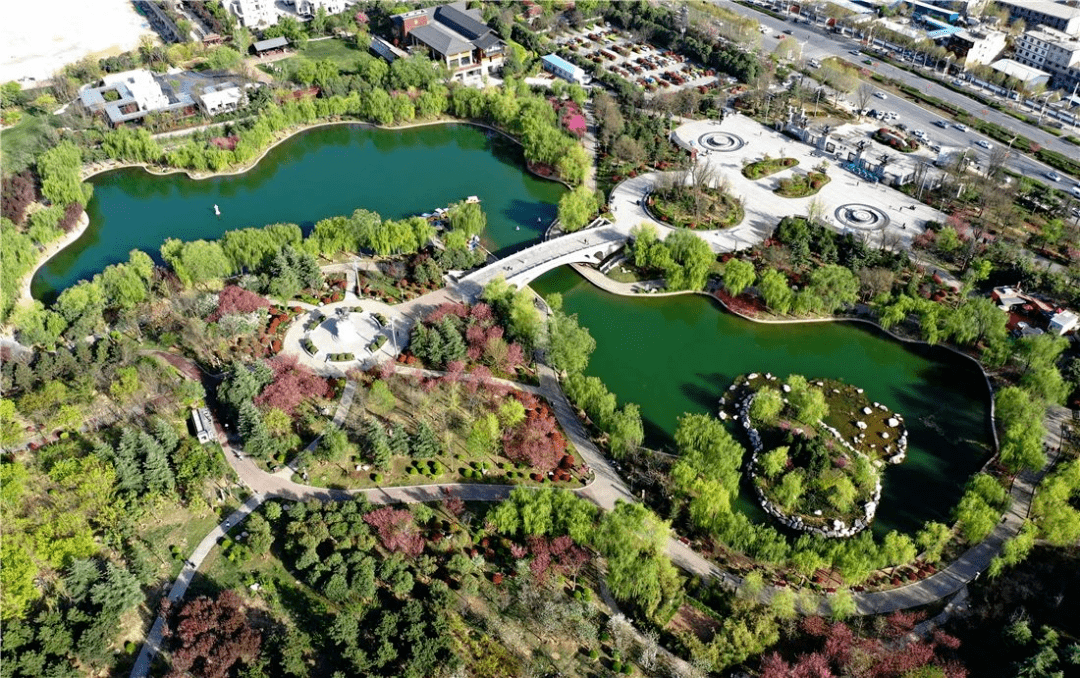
[[590, 246]]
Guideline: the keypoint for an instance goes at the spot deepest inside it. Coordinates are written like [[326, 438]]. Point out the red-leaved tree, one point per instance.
[[444, 310], [212, 635], [235, 299], [292, 384], [397, 530], [536, 441], [16, 195]]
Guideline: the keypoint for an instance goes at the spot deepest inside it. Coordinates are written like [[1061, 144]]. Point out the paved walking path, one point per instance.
[[606, 489], [152, 645], [975, 560]]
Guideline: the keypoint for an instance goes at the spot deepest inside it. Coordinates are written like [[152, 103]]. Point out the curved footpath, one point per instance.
[[605, 489], [960, 572]]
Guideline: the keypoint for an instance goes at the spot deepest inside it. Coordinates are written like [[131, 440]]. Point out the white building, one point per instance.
[[221, 99], [1046, 13], [144, 89], [1029, 76], [562, 68], [254, 13], [308, 8], [977, 47], [1063, 322], [1052, 51]]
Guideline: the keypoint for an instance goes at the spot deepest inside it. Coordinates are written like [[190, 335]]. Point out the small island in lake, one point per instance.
[[818, 450]]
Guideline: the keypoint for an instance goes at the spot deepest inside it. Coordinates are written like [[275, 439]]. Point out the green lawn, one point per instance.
[[341, 52], [22, 143]]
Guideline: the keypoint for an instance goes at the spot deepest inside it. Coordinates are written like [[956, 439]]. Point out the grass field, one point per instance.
[[340, 51], [22, 143]]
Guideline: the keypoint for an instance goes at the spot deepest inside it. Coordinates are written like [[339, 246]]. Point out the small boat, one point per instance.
[[217, 211], [517, 228]]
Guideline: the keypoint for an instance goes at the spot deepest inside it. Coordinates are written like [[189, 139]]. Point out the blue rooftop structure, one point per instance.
[[926, 11], [562, 68]]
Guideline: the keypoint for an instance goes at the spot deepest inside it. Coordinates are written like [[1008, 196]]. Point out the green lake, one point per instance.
[[677, 354], [670, 356], [316, 174]]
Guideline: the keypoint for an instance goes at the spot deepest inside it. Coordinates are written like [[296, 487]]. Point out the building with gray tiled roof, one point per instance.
[[454, 35]]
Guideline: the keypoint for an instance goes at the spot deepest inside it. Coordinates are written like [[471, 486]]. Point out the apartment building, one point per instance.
[[1052, 51], [1045, 13]]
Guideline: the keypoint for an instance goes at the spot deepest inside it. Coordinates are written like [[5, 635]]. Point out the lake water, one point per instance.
[[316, 174], [670, 355], [677, 354]]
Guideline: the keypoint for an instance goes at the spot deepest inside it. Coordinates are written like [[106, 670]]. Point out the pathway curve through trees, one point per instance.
[[606, 488]]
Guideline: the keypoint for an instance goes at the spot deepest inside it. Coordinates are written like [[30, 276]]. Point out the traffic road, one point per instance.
[[819, 43]]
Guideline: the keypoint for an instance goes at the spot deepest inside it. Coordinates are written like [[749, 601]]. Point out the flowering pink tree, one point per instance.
[[536, 441], [396, 529], [444, 310], [235, 299], [292, 384]]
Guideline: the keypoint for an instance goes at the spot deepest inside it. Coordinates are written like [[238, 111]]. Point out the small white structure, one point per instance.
[[221, 99], [1063, 322], [1031, 77], [562, 68], [253, 13], [203, 423]]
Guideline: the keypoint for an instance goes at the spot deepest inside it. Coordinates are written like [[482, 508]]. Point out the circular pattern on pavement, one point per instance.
[[721, 142], [866, 217]]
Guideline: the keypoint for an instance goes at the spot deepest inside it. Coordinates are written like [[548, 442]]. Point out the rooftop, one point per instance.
[[272, 43], [441, 40], [1015, 69], [1054, 9], [560, 63]]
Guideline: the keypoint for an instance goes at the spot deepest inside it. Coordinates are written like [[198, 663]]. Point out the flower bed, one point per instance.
[[763, 168], [895, 140], [313, 322], [801, 185], [377, 343], [720, 210]]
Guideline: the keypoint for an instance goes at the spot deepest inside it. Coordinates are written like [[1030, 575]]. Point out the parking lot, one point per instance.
[[639, 62]]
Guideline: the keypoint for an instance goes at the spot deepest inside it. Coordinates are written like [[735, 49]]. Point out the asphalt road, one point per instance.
[[819, 43]]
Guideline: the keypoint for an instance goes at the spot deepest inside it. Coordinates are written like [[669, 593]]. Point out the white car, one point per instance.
[[962, 128], [1053, 176], [919, 134], [881, 95], [983, 143]]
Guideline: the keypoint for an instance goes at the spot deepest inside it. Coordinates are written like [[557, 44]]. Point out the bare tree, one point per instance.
[[996, 163], [701, 177], [863, 95], [815, 211]]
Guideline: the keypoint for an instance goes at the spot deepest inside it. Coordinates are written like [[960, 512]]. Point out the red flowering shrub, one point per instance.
[[444, 310], [212, 636], [536, 441], [396, 529], [292, 384], [235, 299]]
